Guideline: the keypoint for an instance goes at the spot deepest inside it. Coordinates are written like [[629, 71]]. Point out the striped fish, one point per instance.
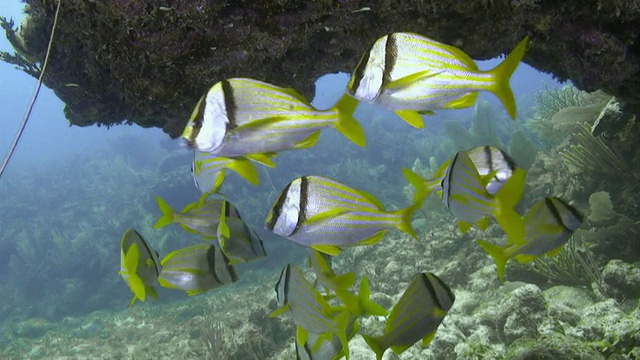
[[238, 241], [548, 225], [417, 315], [196, 269], [201, 217], [308, 309], [318, 348], [487, 160], [241, 116], [464, 193], [412, 74], [327, 215], [139, 266]]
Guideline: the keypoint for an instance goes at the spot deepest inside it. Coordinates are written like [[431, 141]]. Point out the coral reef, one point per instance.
[[149, 62]]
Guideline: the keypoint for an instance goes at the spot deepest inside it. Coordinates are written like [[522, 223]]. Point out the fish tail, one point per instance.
[[364, 302], [498, 253], [347, 124], [376, 345], [345, 281], [406, 214], [167, 213], [342, 322], [506, 199], [502, 74], [422, 190]]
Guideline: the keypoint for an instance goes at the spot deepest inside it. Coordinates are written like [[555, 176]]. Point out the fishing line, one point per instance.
[[14, 144]]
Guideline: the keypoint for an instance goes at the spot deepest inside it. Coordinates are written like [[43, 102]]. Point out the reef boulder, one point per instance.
[[149, 62]]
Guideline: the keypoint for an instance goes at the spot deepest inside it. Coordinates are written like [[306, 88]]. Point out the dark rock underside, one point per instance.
[[148, 62]]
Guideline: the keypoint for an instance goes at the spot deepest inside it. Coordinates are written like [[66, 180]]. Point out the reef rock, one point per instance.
[[148, 62], [622, 280]]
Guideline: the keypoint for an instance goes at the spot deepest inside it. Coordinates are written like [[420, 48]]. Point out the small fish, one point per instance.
[[317, 347], [308, 309], [464, 193], [196, 269], [548, 225], [139, 266], [201, 217], [327, 215], [209, 171], [237, 240], [486, 159], [417, 315], [412, 75], [240, 116]]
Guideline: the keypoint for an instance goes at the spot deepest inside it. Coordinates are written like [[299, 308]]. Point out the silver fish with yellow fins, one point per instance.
[[196, 269], [308, 309], [139, 266], [319, 348], [417, 315], [201, 217], [547, 226], [238, 241], [327, 215], [412, 74], [464, 193], [488, 160], [241, 116]]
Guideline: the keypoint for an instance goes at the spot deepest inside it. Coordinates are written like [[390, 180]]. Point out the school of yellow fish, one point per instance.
[[240, 123]]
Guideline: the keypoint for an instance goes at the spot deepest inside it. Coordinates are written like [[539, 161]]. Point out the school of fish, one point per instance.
[[242, 123]]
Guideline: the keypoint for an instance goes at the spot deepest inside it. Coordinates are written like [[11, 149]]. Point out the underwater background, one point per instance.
[[71, 192]]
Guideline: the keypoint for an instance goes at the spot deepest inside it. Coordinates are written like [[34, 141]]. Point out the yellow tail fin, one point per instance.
[[347, 124], [498, 253], [502, 74], [167, 213], [405, 218]]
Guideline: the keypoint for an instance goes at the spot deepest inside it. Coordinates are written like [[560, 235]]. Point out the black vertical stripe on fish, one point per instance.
[[285, 277], [149, 251], [230, 269], [277, 208], [304, 199], [577, 214], [510, 162], [211, 261], [442, 285], [360, 70], [198, 118], [429, 286], [449, 179], [227, 208], [489, 158], [390, 57], [229, 105]]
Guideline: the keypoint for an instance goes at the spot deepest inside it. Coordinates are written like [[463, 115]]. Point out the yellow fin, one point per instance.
[[483, 223], [502, 74], [324, 216], [498, 253], [244, 168], [279, 311], [465, 101], [411, 79], [411, 117], [332, 250], [418, 183], [262, 158], [308, 142], [428, 339], [464, 226], [167, 213], [374, 239], [347, 124]]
